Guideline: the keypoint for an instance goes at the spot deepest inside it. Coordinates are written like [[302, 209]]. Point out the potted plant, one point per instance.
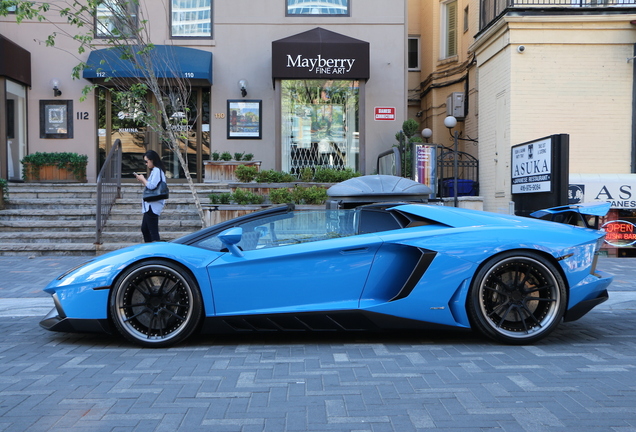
[[54, 167], [222, 167], [4, 192]]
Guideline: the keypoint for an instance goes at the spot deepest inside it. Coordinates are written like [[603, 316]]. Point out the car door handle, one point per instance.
[[354, 250]]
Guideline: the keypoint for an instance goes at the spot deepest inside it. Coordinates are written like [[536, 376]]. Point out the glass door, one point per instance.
[[121, 119], [192, 127], [16, 128]]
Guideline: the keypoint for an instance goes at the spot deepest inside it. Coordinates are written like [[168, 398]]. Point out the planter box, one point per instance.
[[52, 174], [218, 213], [224, 171]]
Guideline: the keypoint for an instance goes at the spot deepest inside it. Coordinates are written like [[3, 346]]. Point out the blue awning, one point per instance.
[[168, 62]]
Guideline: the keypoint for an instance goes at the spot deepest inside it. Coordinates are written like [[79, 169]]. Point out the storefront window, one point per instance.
[[318, 7], [320, 124], [123, 118], [191, 18]]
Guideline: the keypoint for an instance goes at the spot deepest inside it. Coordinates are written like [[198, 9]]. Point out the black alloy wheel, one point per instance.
[[517, 298], [156, 304]]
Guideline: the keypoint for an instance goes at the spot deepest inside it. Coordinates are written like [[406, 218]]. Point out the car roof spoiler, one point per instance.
[[586, 214]]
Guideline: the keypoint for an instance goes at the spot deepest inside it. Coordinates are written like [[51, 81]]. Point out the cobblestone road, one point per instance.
[[582, 378]]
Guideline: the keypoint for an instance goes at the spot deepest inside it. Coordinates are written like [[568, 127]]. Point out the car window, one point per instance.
[[291, 228]]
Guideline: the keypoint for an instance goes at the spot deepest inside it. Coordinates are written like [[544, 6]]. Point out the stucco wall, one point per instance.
[[243, 33]]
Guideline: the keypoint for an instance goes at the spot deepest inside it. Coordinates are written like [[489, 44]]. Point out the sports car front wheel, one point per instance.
[[155, 304], [517, 298]]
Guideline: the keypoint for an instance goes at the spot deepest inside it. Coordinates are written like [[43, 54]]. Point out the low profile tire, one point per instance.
[[517, 298], [156, 304]]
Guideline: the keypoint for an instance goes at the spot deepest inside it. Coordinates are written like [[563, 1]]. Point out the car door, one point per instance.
[[288, 270]]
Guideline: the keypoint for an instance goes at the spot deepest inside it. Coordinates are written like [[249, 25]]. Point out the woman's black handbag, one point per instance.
[[159, 193]]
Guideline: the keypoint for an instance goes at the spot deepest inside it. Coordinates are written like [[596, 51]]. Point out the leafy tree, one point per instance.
[[160, 104]]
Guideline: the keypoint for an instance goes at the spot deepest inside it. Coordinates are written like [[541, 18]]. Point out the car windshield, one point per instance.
[[290, 228]]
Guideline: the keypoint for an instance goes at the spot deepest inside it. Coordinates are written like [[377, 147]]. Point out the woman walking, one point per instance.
[[152, 210]]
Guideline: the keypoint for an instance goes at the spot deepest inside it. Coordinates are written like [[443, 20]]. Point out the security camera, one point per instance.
[[521, 49]]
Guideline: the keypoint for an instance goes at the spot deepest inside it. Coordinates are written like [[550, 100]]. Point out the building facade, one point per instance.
[[296, 83], [530, 69]]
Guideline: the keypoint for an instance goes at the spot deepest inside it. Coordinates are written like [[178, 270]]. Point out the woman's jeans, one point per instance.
[[150, 227]]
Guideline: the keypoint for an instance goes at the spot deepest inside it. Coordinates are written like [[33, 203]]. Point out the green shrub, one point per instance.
[[216, 156], [272, 176], [280, 196], [246, 174], [4, 188], [331, 175], [299, 195], [306, 175], [248, 157], [238, 156], [309, 195], [226, 156], [242, 197], [220, 198]]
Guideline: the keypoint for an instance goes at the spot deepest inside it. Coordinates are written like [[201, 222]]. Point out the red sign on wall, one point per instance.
[[384, 113]]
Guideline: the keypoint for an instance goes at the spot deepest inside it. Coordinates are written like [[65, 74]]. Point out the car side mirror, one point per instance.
[[230, 238]]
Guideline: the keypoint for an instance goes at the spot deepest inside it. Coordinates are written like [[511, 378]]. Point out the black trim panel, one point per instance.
[[338, 321], [418, 271], [582, 308]]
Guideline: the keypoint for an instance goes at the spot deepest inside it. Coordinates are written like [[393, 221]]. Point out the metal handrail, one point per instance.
[[108, 188]]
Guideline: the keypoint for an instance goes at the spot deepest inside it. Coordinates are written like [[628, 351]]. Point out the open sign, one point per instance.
[[619, 233]]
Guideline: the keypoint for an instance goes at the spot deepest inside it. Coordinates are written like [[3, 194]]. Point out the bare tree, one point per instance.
[[158, 100]]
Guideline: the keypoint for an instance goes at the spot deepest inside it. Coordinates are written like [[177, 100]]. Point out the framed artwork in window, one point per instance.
[[244, 119], [55, 119]]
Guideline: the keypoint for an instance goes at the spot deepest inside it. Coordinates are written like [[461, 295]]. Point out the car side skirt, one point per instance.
[[336, 321]]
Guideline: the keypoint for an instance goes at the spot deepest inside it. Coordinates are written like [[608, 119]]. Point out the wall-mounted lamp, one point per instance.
[[55, 83], [243, 86], [427, 133]]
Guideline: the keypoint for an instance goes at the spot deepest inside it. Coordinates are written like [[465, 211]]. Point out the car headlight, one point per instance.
[[599, 244]]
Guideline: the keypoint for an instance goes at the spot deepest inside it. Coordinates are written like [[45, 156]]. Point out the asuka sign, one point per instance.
[[532, 167], [320, 53]]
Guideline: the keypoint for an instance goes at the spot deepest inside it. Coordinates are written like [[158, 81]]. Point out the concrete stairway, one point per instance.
[[59, 219]]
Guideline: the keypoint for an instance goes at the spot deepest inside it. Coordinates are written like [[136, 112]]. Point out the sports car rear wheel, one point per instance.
[[156, 304], [517, 298]]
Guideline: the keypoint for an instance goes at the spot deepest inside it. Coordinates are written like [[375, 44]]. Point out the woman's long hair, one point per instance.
[[156, 160]]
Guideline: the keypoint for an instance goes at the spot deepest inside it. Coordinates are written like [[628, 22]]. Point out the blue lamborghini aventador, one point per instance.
[[379, 266]]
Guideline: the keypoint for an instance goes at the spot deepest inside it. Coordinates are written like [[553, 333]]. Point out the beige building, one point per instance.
[[526, 70], [564, 69], [324, 84]]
